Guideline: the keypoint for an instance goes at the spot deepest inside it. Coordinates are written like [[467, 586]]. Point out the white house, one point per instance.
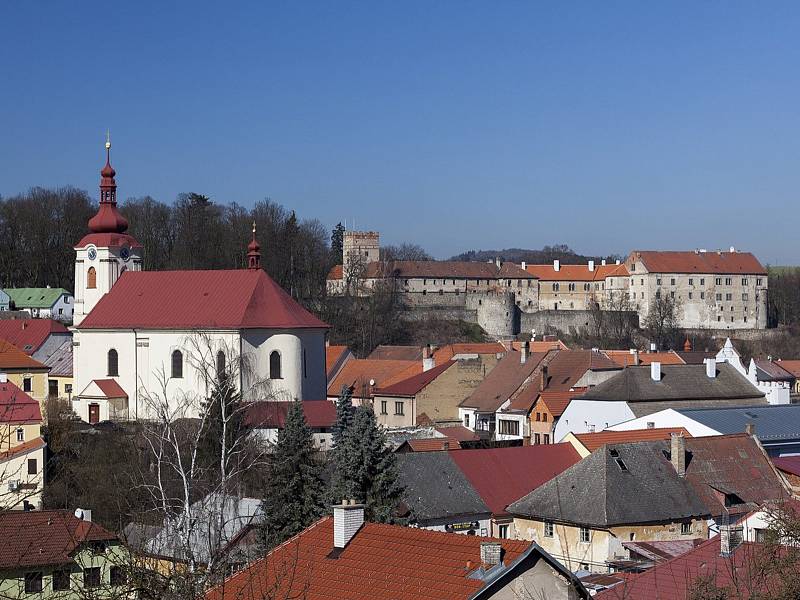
[[41, 303], [776, 391], [170, 333]]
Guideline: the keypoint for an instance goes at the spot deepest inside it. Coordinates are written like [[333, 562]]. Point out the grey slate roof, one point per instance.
[[435, 488], [678, 382], [597, 492], [60, 361], [772, 423]]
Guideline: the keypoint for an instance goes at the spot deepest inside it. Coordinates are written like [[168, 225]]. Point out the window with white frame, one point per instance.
[[585, 535]]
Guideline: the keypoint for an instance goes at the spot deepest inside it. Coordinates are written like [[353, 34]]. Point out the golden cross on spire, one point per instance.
[[254, 227]]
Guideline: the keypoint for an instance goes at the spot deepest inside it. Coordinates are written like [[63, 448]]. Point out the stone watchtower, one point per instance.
[[360, 248]]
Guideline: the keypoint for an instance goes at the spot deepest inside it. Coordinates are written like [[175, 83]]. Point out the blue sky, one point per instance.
[[607, 126]]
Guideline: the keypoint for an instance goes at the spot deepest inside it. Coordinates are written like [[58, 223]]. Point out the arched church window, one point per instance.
[[177, 364], [91, 279], [113, 363], [220, 365], [275, 365]]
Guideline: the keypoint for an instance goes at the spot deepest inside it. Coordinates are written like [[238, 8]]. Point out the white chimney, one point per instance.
[[3, 378], [83, 514], [733, 249], [655, 371], [491, 553], [556, 265], [603, 262], [711, 367], [428, 361], [523, 353], [616, 262], [524, 264], [652, 346], [591, 265], [348, 517]]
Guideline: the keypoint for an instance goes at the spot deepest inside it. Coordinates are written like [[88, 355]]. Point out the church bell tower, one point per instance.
[[103, 255]]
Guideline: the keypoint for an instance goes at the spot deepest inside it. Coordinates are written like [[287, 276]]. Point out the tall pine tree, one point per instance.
[[344, 414], [294, 495], [366, 469]]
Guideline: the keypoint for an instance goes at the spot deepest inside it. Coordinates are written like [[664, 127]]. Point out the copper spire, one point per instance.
[[108, 219], [254, 252]]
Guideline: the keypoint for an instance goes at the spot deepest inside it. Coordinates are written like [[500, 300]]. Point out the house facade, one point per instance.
[[43, 303]]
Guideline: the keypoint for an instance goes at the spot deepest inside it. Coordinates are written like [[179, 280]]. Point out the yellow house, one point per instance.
[[22, 449], [26, 373], [627, 492]]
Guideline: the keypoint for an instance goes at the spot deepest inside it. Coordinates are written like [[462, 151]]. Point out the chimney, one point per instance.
[[497, 261], [677, 453], [348, 517], [655, 371], [428, 361], [616, 262], [83, 514], [523, 265], [591, 265], [750, 428], [543, 380], [556, 265], [603, 262], [636, 360], [652, 346], [523, 352], [733, 249], [491, 553], [711, 367], [3, 378]]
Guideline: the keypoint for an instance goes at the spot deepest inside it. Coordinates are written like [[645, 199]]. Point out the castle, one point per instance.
[[713, 290]]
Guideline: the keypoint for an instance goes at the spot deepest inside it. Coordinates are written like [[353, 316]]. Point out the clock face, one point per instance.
[[125, 254], [92, 253]]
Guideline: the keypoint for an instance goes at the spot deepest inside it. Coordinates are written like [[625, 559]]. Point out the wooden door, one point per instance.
[[94, 413]]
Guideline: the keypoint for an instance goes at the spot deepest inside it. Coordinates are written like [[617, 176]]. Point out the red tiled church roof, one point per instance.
[[381, 562], [110, 388], [230, 299]]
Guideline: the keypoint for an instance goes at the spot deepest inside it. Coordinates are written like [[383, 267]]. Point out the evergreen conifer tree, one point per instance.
[[294, 496], [366, 469], [344, 414]]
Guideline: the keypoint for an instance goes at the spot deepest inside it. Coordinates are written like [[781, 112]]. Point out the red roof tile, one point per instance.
[[429, 444], [357, 373], [12, 357], [16, 406], [24, 448], [673, 579], [387, 352], [272, 415], [415, 384], [110, 388], [557, 402], [593, 441], [504, 475], [722, 263], [41, 538], [790, 366], [447, 352], [29, 334], [503, 381], [576, 272], [624, 358], [334, 354], [788, 464], [381, 562], [233, 299]]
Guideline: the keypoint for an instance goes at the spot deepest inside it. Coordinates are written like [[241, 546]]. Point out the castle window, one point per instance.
[[113, 363], [744, 281], [758, 281], [91, 279], [555, 287], [275, 365], [702, 281], [177, 364]]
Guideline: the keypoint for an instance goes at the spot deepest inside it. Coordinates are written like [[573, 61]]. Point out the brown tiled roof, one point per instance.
[[568, 366], [624, 358], [438, 269], [430, 444], [593, 441], [717, 263], [12, 357], [576, 272], [537, 346], [358, 372], [333, 354], [459, 432], [24, 448], [557, 402], [272, 415], [110, 388], [380, 562], [385, 352], [416, 383], [502, 381], [43, 538], [791, 366]]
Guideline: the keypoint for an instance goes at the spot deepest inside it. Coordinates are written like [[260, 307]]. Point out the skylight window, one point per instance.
[[621, 465]]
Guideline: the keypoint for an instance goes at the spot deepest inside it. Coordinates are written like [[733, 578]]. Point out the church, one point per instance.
[[143, 339]]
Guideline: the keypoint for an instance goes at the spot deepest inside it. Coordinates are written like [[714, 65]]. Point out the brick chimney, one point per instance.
[[491, 553], [750, 428], [730, 538], [711, 367], [677, 453], [655, 371], [348, 517], [543, 379]]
